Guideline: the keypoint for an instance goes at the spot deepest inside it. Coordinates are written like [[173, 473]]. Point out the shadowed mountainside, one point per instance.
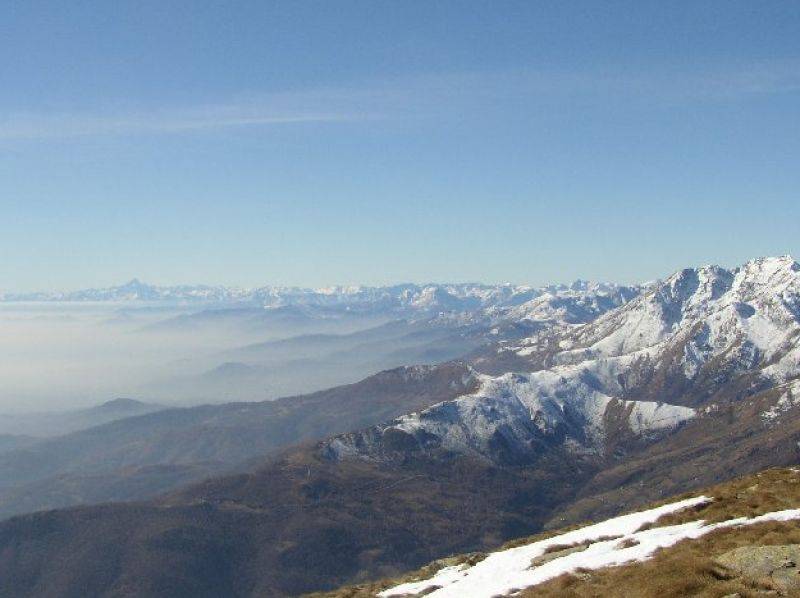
[[139, 457]]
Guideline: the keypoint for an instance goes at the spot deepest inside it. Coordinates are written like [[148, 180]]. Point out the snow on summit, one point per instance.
[[745, 317], [524, 410]]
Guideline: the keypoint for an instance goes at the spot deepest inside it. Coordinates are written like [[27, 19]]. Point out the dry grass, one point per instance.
[[562, 547], [370, 589], [764, 492], [627, 543], [525, 540], [686, 569]]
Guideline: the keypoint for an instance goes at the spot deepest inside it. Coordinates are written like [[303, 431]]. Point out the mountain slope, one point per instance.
[[716, 543], [65, 422], [313, 518], [301, 522], [512, 418], [305, 363], [150, 454], [706, 337], [723, 342], [10, 442]]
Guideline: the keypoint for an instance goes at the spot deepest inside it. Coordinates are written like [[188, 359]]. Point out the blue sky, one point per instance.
[[316, 143]]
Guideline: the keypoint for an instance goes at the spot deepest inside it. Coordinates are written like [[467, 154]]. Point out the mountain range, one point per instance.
[[408, 297], [580, 403], [303, 347]]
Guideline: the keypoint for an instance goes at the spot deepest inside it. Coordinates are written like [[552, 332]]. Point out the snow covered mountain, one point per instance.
[[514, 418], [684, 336], [713, 309], [577, 303], [685, 347]]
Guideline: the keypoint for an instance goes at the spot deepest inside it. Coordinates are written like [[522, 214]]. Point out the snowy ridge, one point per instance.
[[581, 302], [605, 377], [739, 320], [714, 310], [520, 413], [508, 571]]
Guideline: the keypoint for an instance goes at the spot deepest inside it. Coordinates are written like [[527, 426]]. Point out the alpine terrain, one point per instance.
[[683, 384]]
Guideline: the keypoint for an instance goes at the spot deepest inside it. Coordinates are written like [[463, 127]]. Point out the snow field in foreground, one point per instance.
[[505, 571]]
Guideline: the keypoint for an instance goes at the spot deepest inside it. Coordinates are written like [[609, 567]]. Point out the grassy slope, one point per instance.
[[686, 569]]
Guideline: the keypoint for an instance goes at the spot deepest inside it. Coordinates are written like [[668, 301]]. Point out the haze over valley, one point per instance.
[[190, 346]]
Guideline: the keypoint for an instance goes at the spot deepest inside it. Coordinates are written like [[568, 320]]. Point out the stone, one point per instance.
[[780, 564]]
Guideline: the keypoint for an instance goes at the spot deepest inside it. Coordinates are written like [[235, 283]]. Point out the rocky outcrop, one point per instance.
[[778, 564]]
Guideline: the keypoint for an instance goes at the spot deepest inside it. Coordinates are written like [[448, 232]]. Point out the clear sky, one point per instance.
[[315, 143]]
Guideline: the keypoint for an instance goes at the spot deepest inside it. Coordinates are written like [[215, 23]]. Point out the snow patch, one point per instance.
[[647, 416], [789, 399], [507, 571]]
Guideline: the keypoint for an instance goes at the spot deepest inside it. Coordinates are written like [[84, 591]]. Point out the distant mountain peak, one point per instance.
[[134, 283], [121, 403], [416, 300], [774, 262]]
